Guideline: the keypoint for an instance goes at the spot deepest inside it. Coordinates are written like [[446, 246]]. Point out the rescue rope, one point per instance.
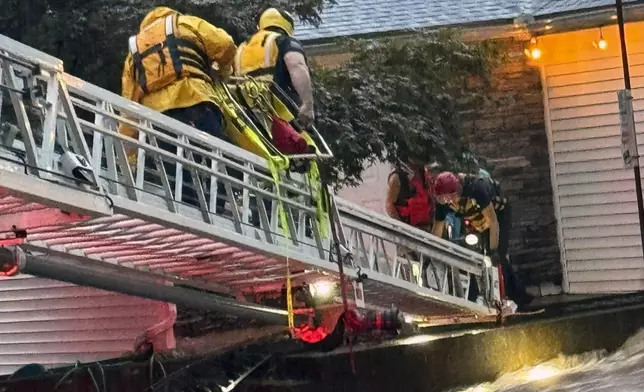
[[255, 94], [289, 300], [343, 287]]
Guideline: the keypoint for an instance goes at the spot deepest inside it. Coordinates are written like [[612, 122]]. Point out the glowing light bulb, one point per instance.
[[533, 52], [602, 44], [322, 289]]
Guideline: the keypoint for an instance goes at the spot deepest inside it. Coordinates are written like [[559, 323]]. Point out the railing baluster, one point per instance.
[[165, 182], [49, 125], [178, 176], [21, 115], [140, 157]]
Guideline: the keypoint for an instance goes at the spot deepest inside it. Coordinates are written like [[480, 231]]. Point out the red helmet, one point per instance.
[[446, 183]]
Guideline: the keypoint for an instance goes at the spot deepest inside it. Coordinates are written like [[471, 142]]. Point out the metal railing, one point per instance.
[[193, 182]]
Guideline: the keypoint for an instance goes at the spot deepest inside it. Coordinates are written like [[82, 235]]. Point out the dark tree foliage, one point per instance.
[[397, 92], [90, 36], [390, 93]]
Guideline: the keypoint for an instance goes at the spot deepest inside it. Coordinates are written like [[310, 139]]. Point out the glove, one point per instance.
[[221, 72], [306, 115]]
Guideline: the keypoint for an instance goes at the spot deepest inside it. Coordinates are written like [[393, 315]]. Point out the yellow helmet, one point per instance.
[[273, 17]]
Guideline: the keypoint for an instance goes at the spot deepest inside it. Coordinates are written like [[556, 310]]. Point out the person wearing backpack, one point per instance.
[[170, 64], [273, 54], [170, 67], [479, 200]]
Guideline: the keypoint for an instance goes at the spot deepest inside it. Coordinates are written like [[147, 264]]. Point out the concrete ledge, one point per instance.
[[463, 360]]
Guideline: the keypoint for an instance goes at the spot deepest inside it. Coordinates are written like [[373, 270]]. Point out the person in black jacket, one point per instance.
[[480, 201]]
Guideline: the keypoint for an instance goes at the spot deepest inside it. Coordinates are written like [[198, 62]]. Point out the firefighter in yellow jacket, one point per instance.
[[169, 68], [273, 54]]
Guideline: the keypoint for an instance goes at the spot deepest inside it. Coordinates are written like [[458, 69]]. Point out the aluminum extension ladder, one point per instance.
[[135, 232]]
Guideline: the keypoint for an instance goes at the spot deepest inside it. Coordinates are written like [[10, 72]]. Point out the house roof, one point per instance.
[[360, 17]]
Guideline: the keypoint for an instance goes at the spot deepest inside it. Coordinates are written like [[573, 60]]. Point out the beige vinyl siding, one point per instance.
[[55, 323], [595, 195]]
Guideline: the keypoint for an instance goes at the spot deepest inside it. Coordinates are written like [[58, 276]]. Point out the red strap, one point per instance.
[[501, 281]]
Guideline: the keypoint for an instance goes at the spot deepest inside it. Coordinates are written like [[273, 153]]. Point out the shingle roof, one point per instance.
[[547, 7], [356, 17]]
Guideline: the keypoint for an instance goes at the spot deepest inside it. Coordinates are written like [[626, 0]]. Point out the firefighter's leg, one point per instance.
[[513, 286], [205, 117]]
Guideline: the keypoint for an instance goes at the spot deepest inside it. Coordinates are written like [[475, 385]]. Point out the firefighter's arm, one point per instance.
[[393, 190], [438, 228], [300, 77], [490, 216], [127, 80], [219, 46], [440, 215]]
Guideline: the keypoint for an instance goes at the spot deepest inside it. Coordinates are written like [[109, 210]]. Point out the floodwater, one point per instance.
[[621, 371]]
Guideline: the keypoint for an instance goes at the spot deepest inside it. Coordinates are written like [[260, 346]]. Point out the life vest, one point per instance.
[[414, 204], [160, 57], [472, 211], [257, 56]]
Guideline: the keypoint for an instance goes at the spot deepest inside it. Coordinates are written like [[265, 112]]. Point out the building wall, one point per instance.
[[55, 323], [371, 193], [595, 193], [510, 134]]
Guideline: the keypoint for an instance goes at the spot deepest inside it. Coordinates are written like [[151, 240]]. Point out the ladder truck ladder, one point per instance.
[[73, 208]]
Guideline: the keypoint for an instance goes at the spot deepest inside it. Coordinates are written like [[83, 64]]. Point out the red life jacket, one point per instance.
[[414, 202]]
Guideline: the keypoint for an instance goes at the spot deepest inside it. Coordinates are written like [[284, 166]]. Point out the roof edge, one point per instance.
[[585, 19], [582, 18], [497, 26]]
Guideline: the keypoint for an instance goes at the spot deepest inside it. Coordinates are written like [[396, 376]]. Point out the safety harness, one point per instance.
[[470, 209]]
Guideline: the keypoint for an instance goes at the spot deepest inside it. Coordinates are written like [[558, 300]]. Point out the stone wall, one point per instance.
[[510, 135]]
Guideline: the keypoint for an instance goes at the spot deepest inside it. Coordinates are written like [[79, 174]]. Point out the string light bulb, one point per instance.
[[602, 44], [533, 52]]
